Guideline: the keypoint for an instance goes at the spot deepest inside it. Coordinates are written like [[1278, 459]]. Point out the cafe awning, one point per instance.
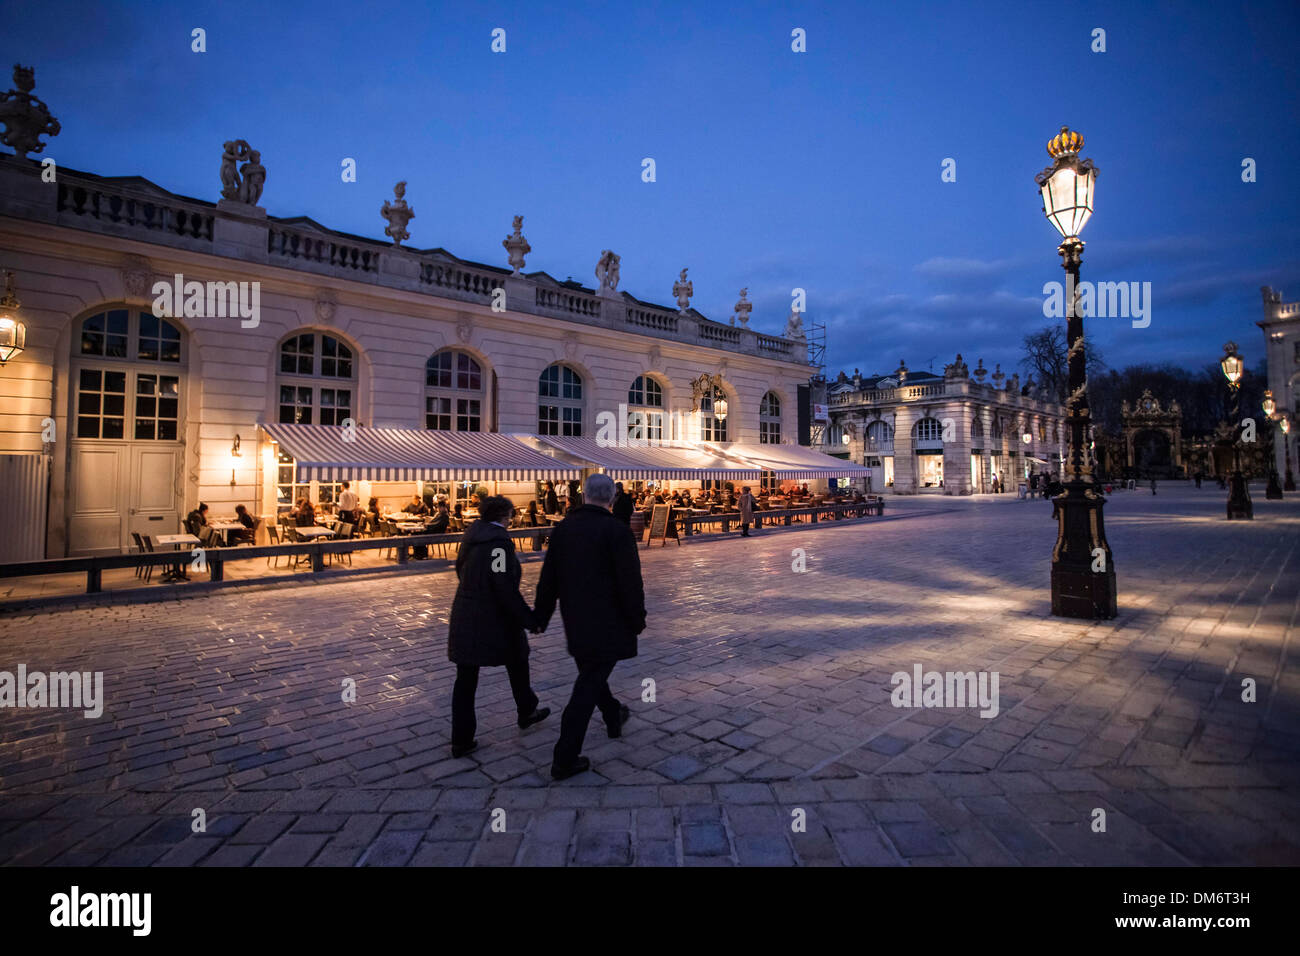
[[791, 462], [675, 461], [323, 453]]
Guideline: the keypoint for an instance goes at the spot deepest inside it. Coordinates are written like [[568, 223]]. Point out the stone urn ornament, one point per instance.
[[743, 308], [398, 214], [517, 246], [683, 289], [25, 117]]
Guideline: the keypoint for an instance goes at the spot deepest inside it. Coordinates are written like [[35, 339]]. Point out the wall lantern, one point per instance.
[[13, 334]]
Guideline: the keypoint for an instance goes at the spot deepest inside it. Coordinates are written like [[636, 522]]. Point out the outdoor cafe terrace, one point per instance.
[[391, 458]]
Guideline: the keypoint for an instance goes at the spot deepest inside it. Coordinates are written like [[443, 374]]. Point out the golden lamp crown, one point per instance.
[[1065, 143]]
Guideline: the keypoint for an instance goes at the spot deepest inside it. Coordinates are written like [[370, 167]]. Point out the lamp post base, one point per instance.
[[1083, 573], [1289, 484], [1240, 507], [1274, 490]]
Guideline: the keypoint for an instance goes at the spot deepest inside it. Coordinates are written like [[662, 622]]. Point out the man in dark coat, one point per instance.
[[592, 568], [488, 619], [550, 500], [622, 504]]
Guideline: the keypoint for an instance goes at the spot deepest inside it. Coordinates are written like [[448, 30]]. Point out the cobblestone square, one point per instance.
[[771, 739]]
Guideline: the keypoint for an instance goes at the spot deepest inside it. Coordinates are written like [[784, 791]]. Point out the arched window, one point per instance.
[[928, 429], [316, 380], [711, 427], [880, 439], [559, 406], [453, 392], [645, 415], [129, 367], [769, 419]]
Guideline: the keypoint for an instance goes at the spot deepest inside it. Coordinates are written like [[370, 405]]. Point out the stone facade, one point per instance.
[[88, 246], [944, 434], [1281, 325]]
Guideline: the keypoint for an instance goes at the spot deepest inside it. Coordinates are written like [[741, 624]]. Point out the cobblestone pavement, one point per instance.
[[772, 696]]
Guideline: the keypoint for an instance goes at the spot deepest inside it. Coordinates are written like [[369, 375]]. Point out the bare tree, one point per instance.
[[1045, 358]]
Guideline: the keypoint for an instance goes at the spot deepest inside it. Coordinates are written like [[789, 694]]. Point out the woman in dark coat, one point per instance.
[[488, 620]]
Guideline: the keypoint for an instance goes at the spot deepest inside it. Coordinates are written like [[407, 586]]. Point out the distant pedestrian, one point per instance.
[[746, 506], [1153, 486], [488, 620], [593, 570], [623, 504]]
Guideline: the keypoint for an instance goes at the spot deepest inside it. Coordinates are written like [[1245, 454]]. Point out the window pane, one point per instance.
[[144, 429], [112, 428], [88, 403], [91, 378], [115, 382], [166, 430]]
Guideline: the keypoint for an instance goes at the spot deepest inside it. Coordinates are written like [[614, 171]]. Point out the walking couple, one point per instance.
[[593, 570]]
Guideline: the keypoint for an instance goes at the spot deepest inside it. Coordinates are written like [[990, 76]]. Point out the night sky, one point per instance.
[[775, 169]]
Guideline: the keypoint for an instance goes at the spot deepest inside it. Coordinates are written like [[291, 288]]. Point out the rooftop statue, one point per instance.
[[794, 327], [607, 271], [517, 246], [247, 189], [743, 308]]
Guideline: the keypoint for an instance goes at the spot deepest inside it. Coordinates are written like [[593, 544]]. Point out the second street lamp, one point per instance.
[[1240, 506], [1083, 570], [1274, 490], [1285, 425]]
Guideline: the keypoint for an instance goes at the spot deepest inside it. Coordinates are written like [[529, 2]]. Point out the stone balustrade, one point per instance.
[[131, 207], [946, 389]]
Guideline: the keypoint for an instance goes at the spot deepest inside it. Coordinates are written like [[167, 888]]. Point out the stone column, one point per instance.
[[904, 458], [986, 454], [956, 456]]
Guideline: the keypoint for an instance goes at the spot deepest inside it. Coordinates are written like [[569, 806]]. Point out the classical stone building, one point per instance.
[[1281, 325], [947, 434], [164, 333]]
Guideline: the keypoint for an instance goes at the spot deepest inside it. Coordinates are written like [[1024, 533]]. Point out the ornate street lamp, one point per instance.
[[1083, 569], [1285, 425], [1274, 490], [13, 334], [1240, 507]]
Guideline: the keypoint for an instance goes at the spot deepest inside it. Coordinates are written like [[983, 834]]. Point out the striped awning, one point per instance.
[[673, 461], [791, 462], [322, 453]]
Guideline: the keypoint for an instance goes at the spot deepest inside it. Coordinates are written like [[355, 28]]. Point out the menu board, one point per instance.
[[659, 524]]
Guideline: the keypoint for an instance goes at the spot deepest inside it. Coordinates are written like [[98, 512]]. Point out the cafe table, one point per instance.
[[314, 532], [176, 573], [225, 527]]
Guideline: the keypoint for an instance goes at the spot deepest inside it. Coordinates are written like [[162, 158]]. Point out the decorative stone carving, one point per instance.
[[570, 345], [794, 327], [607, 272], [25, 117], [857, 380], [325, 306], [137, 278], [464, 328], [398, 214], [683, 289], [244, 184], [957, 370], [743, 308], [654, 359], [1013, 383], [980, 371], [998, 376], [517, 246]]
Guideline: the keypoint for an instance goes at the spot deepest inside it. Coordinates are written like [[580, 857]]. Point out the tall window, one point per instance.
[[316, 380], [928, 429], [711, 429], [128, 377], [559, 405], [880, 439], [453, 392], [769, 420], [645, 416]]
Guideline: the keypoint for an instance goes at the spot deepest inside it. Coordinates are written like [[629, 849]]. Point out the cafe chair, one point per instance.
[[139, 549], [343, 532], [273, 536]]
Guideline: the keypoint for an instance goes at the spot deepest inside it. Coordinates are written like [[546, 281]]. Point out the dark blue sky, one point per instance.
[[775, 169]]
